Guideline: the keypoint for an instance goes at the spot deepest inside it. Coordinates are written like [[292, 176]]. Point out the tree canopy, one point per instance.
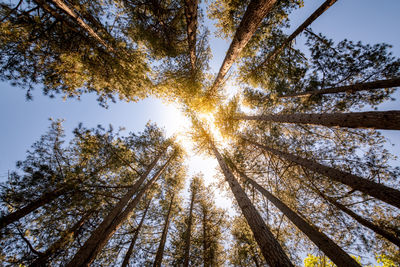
[[298, 143]]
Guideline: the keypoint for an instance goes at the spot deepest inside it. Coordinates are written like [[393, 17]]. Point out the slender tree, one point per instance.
[[323, 242], [255, 12], [66, 238], [379, 84], [385, 120], [46, 198], [72, 14], [366, 223], [86, 255], [327, 4], [269, 246], [379, 191], [191, 25], [160, 251], [135, 236], [188, 233]]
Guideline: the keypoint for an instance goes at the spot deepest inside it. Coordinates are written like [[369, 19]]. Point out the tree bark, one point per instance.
[[43, 200], [379, 84], [384, 120], [378, 230], [191, 26], [206, 258], [160, 250], [135, 236], [67, 237], [269, 246], [323, 242], [252, 18], [379, 191], [327, 4], [189, 231], [86, 254], [60, 4]]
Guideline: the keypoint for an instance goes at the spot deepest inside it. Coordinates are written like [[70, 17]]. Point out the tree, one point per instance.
[[134, 238], [387, 120], [333, 251], [160, 250], [384, 193], [40, 44], [327, 4], [252, 18], [270, 248]]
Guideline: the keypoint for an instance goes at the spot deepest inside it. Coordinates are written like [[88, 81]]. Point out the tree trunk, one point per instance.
[[206, 258], [327, 4], [189, 231], [351, 88], [323, 242], [384, 120], [43, 200], [252, 18], [64, 8], [135, 236], [191, 26], [46, 7], [67, 237], [86, 254], [160, 250], [269, 246], [379, 191], [378, 230]]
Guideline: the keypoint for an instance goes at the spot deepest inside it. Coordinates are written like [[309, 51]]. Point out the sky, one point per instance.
[[22, 122]]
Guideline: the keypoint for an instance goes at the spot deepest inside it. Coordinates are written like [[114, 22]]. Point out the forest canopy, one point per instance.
[[299, 144]]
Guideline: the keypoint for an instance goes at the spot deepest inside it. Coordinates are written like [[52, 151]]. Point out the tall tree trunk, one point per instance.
[[206, 258], [67, 237], [189, 231], [377, 229], [60, 4], [379, 191], [269, 246], [49, 9], [323, 242], [191, 26], [379, 84], [160, 250], [252, 18], [99, 237], [327, 4], [385, 120], [43, 200], [134, 238]]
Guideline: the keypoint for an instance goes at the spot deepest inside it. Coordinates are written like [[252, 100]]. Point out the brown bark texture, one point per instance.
[[383, 120], [269, 246], [67, 10], [191, 26], [379, 191], [327, 4], [134, 238], [43, 200], [189, 231], [255, 12], [379, 84], [160, 250], [112, 221], [377, 229], [323, 242], [67, 237]]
